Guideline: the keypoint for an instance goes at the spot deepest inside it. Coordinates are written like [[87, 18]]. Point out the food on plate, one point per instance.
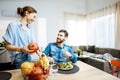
[[65, 66], [33, 46]]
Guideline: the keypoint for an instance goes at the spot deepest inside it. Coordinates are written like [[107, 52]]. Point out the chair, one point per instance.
[[117, 64]]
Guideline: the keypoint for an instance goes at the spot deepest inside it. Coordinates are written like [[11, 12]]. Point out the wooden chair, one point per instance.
[[117, 64]]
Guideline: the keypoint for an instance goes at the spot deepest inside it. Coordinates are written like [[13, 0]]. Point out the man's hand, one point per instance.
[[67, 54]]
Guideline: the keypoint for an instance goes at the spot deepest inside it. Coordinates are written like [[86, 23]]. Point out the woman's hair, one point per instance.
[[22, 11]]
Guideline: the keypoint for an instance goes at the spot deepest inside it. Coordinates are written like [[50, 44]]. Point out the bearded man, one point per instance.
[[59, 51]]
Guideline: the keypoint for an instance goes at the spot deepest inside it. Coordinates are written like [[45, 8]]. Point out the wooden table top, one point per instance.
[[86, 72]]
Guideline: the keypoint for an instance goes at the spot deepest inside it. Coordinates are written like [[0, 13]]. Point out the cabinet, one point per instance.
[[4, 56]]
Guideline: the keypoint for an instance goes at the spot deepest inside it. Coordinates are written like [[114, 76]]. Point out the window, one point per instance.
[[76, 25], [101, 31], [98, 31], [77, 32]]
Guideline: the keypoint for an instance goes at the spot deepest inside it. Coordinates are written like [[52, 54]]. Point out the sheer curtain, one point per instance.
[[101, 27], [117, 28], [76, 25]]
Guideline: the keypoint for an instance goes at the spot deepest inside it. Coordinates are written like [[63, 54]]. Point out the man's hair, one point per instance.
[[65, 32]]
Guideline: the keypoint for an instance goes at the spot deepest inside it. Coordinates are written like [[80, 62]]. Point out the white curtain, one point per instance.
[[117, 28], [101, 27], [76, 25]]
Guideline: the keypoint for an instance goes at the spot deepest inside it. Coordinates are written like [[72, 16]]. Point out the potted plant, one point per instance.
[[79, 52], [2, 44]]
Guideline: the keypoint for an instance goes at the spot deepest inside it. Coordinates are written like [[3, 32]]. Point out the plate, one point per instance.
[[65, 66]]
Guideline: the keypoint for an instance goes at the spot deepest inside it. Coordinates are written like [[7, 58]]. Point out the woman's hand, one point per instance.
[[26, 50]]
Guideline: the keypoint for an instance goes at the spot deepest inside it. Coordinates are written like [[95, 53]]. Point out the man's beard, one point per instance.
[[59, 41]]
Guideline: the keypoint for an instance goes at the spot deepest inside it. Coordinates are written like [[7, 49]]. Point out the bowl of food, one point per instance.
[[38, 70]]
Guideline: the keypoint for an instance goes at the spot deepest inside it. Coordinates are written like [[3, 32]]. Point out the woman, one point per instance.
[[19, 35]]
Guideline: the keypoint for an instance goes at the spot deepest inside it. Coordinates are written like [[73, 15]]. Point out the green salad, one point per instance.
[[65, 66]]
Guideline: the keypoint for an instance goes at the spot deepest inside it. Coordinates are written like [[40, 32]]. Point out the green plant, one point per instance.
[[79, 51], [2, 44]]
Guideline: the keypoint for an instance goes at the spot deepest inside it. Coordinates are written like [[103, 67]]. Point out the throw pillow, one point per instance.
[[91, 48]]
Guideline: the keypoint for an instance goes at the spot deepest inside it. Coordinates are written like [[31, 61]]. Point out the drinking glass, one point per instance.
[[54, 68]]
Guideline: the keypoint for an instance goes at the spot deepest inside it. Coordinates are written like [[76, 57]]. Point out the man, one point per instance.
[[58, 51]]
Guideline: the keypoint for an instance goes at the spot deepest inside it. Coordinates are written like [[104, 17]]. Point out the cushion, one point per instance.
[[91, 48], [83, 48], [96, 50]]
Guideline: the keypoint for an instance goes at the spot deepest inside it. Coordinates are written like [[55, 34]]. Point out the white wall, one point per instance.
[[52, 10]]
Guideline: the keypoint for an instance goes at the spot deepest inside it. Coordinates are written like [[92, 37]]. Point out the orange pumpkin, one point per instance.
[[27, 67]]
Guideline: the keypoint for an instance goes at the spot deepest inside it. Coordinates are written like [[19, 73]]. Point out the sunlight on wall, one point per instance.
[[77, 31], [3, 26], [40, 34]]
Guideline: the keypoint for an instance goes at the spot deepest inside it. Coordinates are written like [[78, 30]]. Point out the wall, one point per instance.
[[51, 10]]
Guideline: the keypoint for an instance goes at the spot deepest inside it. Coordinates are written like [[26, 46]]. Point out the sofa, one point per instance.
[[98, 57]]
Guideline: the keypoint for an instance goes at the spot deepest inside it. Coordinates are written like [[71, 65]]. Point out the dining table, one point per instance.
[[84, 72]]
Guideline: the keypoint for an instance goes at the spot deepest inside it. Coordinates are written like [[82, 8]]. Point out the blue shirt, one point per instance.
[[17, 36], [57, 52]]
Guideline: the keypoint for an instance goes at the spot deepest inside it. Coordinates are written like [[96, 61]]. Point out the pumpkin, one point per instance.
[[27, 67]]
